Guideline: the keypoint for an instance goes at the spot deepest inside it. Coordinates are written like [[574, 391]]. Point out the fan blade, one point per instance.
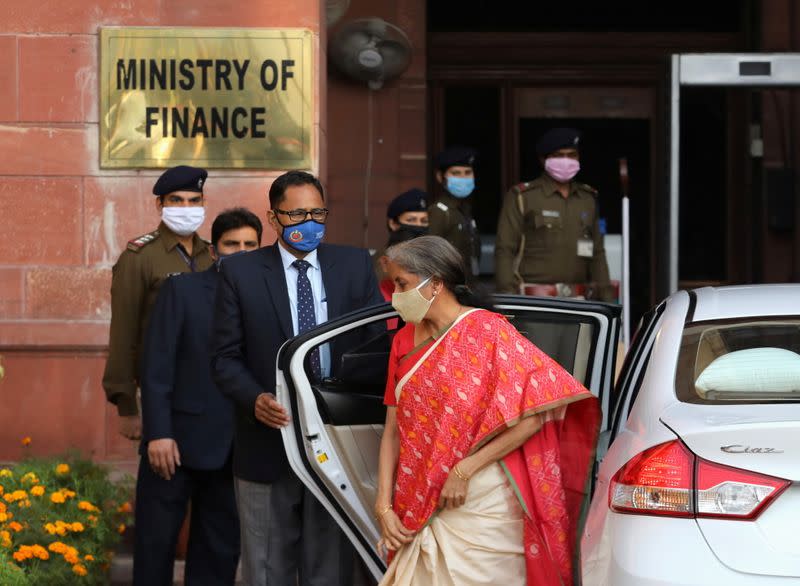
[[396, 57]]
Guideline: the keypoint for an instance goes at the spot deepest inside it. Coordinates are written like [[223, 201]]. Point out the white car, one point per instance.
[[700, 485], [696, 486]]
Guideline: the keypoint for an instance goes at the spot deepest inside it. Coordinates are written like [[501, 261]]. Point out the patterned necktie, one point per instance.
[[306, 318]]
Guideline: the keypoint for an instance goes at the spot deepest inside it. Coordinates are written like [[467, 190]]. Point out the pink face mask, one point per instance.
[[562, 169]]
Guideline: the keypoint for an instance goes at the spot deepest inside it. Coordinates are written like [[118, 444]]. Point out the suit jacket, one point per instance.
[[252, 320], [179, 397]]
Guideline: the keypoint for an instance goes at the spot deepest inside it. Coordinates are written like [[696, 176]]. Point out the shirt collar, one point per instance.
[[552, 190], [170, 240], [287, 258]]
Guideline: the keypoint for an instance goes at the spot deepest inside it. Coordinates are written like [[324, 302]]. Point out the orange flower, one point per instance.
[[79, 569], [17, 495], [6, 473], [92, 519], [15, 526], [40, 552], [30, 477], [5, 539], [121, 528], [77, 527], [125, 508], [37, 490], [2, 490], [57, 497], [71, 557], [57, 547], [87, 506], [26, 441], [88, 557], [62, 469]]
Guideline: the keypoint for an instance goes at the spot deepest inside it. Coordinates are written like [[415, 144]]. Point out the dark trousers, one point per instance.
[[161, 506]]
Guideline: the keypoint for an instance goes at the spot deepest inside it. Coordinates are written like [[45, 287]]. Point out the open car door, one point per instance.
[[333, 440]]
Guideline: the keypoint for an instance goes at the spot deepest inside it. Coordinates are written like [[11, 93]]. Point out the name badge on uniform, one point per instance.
[[585, 248], [551, 213]]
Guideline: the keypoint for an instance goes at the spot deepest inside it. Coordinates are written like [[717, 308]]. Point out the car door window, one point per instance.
[[634, 369]]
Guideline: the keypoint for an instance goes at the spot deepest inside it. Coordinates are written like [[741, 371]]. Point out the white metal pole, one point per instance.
[[625, 292], [674, 168], [626, 272]]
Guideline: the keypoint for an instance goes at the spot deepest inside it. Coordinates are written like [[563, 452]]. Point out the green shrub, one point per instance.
[[60, 520]]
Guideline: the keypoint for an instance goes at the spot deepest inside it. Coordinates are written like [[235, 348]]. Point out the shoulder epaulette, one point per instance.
[[524, 186], [442, 206], [137, 244], [588, 188]]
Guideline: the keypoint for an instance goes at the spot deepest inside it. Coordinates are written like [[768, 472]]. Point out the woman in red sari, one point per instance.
[[488, 442]]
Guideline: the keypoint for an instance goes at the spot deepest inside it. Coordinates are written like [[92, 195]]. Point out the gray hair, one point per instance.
[[430, 256]]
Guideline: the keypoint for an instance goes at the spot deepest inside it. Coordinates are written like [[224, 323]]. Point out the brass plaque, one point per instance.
[[220, 98]]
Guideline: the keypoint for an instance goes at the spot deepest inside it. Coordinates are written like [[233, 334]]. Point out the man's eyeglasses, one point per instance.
[[317, 214]]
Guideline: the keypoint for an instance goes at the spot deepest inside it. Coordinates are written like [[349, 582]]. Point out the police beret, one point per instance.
[[413, 200], [455, 156], [557, 138], [180, 178]]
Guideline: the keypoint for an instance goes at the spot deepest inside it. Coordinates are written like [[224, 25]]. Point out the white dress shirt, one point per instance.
[[314, 274]]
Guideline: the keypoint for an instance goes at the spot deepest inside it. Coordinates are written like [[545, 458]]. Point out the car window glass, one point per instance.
[[740, 361], [569, 339], [633, 368]]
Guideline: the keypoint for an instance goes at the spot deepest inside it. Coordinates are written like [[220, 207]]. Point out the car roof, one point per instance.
[[713, 303]]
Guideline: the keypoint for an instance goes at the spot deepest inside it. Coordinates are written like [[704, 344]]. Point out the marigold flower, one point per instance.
[[80, 570], [121, 528], [71, 557], [92, 519], [37, 490], [50, 528], [62, 469], [26, 441], [125, 508], [87, 506], [2, 490], [5, 539], [17, 495], [77, 527], [29, 477], [4, 517], [57, 497], [57, 546], [6, 473], [40, 552], [67, 493], [89, 557], [15, 526], [25, 504]]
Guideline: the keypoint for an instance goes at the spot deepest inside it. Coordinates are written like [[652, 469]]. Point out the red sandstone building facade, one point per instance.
[[477, 76]]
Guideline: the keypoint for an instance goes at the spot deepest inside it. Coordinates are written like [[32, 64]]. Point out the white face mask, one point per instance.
[[182, 220], [411, 305]]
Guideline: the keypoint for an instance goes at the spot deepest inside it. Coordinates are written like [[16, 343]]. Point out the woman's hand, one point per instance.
[[454, 491], [394, 535]]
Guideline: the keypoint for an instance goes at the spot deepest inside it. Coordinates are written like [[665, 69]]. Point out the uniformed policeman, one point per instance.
[[450, 215], [174, 247], [406, 218], [548, 232]]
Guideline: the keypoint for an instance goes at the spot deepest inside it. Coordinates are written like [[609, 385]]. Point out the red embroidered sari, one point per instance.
[[470, 385]]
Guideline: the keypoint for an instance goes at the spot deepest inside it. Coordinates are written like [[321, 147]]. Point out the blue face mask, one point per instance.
[[304, 236], [460, 187], [222, 257]]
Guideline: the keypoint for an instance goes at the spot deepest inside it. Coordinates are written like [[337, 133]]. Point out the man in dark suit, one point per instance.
[[264, 298], [188, 427]]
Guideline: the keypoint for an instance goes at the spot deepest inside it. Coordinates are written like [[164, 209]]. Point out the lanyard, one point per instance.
[[185, 256]]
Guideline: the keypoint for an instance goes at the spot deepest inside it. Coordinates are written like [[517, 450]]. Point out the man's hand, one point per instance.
[[164, 457], [270, 412], [130, 426]]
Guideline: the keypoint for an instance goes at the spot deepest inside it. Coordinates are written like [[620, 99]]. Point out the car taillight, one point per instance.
[[668, 479]]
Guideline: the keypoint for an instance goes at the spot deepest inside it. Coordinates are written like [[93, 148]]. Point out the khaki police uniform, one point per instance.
[[553, 239], [136, 279], [450, 218]]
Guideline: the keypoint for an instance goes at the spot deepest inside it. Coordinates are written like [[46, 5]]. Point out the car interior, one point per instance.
[[350, 398]]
